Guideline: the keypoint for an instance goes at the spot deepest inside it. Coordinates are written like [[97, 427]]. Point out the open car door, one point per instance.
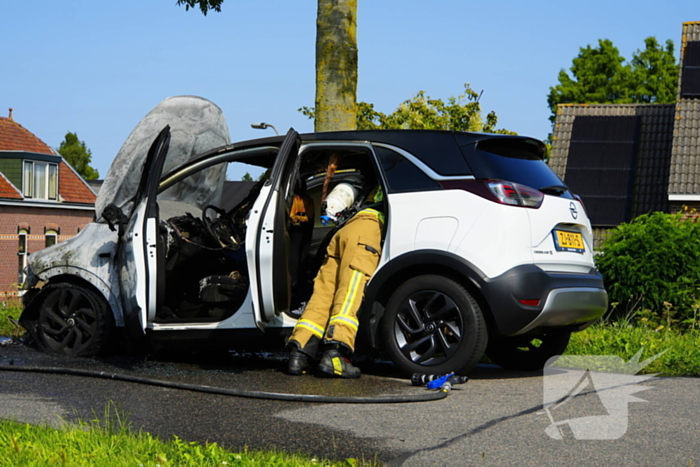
[[267, 237], [139, 246]]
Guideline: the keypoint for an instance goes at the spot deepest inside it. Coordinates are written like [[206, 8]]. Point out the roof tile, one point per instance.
[[8, 190], [14, 137], [72, 188], [684, 176]]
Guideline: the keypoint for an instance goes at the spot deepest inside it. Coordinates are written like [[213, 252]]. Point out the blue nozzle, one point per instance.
[[325, 220], [437, 383]]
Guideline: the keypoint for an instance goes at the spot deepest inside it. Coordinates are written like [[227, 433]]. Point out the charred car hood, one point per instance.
[[196, 125]]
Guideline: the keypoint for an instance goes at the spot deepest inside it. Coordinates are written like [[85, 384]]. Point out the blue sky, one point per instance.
[[97, 67]]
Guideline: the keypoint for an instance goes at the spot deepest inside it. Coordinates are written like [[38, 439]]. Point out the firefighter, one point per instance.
[[352, 256]]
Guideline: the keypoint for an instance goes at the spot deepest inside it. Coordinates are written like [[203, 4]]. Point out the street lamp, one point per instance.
[[264, 126]]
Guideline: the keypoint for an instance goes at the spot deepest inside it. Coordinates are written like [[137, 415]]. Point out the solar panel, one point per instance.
[[691, 56], [600, 166], [690, 86], [690, 79]]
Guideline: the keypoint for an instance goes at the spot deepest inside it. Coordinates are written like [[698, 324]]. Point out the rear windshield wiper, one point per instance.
[[557, 190]]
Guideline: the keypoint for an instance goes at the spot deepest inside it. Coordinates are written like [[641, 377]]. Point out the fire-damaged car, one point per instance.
[[485, 249]]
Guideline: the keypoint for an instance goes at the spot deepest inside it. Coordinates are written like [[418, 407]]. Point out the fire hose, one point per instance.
[[443, 384]]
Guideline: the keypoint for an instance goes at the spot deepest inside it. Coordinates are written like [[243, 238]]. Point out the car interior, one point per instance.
[[205, 273]]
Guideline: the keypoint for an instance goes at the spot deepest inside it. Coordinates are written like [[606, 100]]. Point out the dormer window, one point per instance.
[[40, 180]]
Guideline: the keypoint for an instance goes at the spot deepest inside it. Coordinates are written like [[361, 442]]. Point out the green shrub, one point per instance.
[[653, 263]]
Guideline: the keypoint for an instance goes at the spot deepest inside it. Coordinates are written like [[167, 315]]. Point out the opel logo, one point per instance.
[[572, 208]]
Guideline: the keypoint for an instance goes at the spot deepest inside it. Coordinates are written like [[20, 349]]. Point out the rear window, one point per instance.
[[513, 160], [402, 176]]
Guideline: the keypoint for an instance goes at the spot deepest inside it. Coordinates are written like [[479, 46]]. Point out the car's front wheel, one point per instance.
[[432, 324], [73, 320], [527, 353]]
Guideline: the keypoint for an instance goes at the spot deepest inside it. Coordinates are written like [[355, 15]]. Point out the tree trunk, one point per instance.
[[336, 65]]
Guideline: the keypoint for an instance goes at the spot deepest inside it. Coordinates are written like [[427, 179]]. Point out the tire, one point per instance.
[[73, 320], [527, 353], [433, 325]]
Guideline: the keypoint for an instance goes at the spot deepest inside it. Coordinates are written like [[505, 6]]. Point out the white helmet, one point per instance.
[[341, 197]]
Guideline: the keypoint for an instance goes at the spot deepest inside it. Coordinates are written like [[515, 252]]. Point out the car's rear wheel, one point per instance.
[[527, 353], [73, 320], [433, 325]]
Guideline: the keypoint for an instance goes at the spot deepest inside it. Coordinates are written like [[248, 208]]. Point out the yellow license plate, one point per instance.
[[568, 241]]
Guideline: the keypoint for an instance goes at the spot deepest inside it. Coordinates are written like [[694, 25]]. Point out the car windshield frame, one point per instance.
[[207, 160]]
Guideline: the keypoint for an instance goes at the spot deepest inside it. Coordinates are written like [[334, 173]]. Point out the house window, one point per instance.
[[21, 255], [51, 237], [40, 180]]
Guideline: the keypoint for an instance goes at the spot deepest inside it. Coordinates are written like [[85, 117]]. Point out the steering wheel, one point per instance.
[[221, 230]]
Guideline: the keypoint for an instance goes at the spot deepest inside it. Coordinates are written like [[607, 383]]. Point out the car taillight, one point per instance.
[[499, 191], [530, 301], [516, 194]]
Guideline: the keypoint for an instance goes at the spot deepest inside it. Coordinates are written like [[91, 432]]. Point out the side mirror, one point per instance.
[[115, 216]]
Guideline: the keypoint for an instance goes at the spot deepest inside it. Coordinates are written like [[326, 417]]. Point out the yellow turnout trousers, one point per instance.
[[351, 259]]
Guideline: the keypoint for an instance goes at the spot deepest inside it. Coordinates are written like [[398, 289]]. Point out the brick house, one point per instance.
[[629, 159], [42, 200]]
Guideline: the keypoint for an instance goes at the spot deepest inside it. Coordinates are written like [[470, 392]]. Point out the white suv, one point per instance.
[[486, 249]]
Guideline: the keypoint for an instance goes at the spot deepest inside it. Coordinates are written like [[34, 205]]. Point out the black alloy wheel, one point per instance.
[[433, 325], [73, 321], [527, 353]]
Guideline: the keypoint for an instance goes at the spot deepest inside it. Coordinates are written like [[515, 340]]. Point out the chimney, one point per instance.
[[10, 116]]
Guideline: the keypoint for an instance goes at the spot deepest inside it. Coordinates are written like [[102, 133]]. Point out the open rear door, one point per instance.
[[139, 253], [267, 237]]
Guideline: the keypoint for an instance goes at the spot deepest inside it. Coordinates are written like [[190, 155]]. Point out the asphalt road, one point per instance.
[[496, 419]]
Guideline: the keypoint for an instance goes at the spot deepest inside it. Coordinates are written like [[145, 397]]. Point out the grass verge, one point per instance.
[[10, 307], [110, 443], [682, 349]]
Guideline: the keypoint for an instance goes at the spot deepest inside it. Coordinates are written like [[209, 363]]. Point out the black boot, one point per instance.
[[298, 362], [334, 364]]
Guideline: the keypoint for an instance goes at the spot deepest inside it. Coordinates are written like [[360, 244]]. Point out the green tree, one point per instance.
[[204, 5], [421, 112], [247, 177], [76, 153], [600, 75], [336, 60], [654, 73]]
